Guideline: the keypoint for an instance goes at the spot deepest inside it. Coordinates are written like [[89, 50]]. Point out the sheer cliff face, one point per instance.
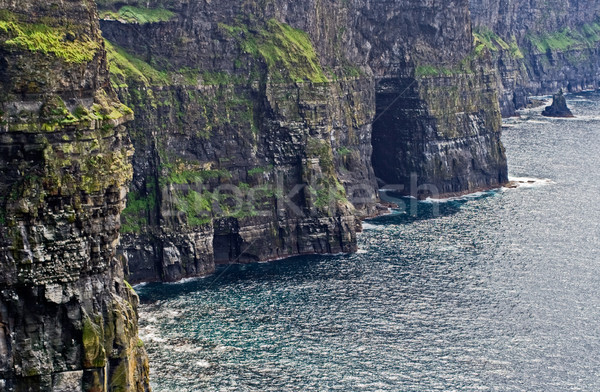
[[519, 17], [437, 125], [67, 320], [254, 144], [540, 46], [254, 122]]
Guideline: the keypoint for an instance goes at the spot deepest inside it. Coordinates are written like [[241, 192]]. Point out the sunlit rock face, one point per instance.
[[539, 46], [260, 131], [68, 320]]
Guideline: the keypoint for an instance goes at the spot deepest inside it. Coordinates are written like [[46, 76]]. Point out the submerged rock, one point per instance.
[[558, 108]]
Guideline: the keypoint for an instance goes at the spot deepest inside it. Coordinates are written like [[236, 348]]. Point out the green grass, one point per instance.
[[129, 14], [221, 79], [197, 207], [260, 170], [343, 151], [515, 50], [489, 39], [486, 38], [55, 41], [287, 52], [185, 176], [427, 70], [559, 40], [126, 68], [585, 36], [134, 216]]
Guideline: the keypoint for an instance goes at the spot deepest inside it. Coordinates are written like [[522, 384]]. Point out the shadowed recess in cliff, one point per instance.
[[254, 124], [437, 125]]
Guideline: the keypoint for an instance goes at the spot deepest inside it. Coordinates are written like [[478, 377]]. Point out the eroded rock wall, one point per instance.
[[68, 320], [252, 135], [437, 125], [254, 122], [540, 47]]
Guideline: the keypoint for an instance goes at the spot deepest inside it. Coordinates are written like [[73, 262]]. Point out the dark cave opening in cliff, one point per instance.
[[393, 134]]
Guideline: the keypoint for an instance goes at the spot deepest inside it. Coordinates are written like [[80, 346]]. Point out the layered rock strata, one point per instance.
[[254, 122], [437, 125], [540, 46], [68, 320]]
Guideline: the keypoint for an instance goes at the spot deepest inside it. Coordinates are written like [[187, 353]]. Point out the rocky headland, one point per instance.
[[68, 319], [539, 46], [153, 140], [262, 132]]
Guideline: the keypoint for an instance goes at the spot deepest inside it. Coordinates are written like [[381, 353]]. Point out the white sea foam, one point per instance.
[[474, 195], [187, 348], [368, 226], [530, 182], [187, 280], [582, 118], [203, 363], [150, 333]]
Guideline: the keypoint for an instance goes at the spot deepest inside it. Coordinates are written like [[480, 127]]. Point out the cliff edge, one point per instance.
[[261, 131], [68, 319]]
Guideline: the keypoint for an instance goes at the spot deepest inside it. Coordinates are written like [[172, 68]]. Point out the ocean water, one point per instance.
[[499, 291]]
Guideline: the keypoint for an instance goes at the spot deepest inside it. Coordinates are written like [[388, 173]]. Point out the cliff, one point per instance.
[[255, 123], [437, 126], [539, 46], [68, 320]]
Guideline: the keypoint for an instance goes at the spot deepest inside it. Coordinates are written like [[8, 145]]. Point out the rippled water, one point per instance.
[[497, 292]]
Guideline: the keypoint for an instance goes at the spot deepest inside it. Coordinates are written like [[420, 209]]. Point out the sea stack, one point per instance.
[[558, 108]]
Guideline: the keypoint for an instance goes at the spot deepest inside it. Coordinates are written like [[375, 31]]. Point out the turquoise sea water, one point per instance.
[[499, 291]]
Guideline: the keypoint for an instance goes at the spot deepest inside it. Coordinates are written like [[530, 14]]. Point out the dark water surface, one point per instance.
[[497, 292]]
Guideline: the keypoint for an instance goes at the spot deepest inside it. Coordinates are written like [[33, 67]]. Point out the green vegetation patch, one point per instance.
[[260, 170], [129, 70], [222, 79], [126, 68], [196, 206], [288, 52], [135, 216], [182, 173], [515, 50], [129, 14], [428, 70], [486, 39], [92, 337], [56, 41], [585, 36]]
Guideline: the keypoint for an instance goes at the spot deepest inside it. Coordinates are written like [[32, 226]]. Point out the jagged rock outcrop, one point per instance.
[[253, 128], [558, 108], [539, 46], [68, 320]]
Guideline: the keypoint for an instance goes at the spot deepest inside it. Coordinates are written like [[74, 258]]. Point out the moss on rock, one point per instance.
[[93, 340], [58, 41]]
